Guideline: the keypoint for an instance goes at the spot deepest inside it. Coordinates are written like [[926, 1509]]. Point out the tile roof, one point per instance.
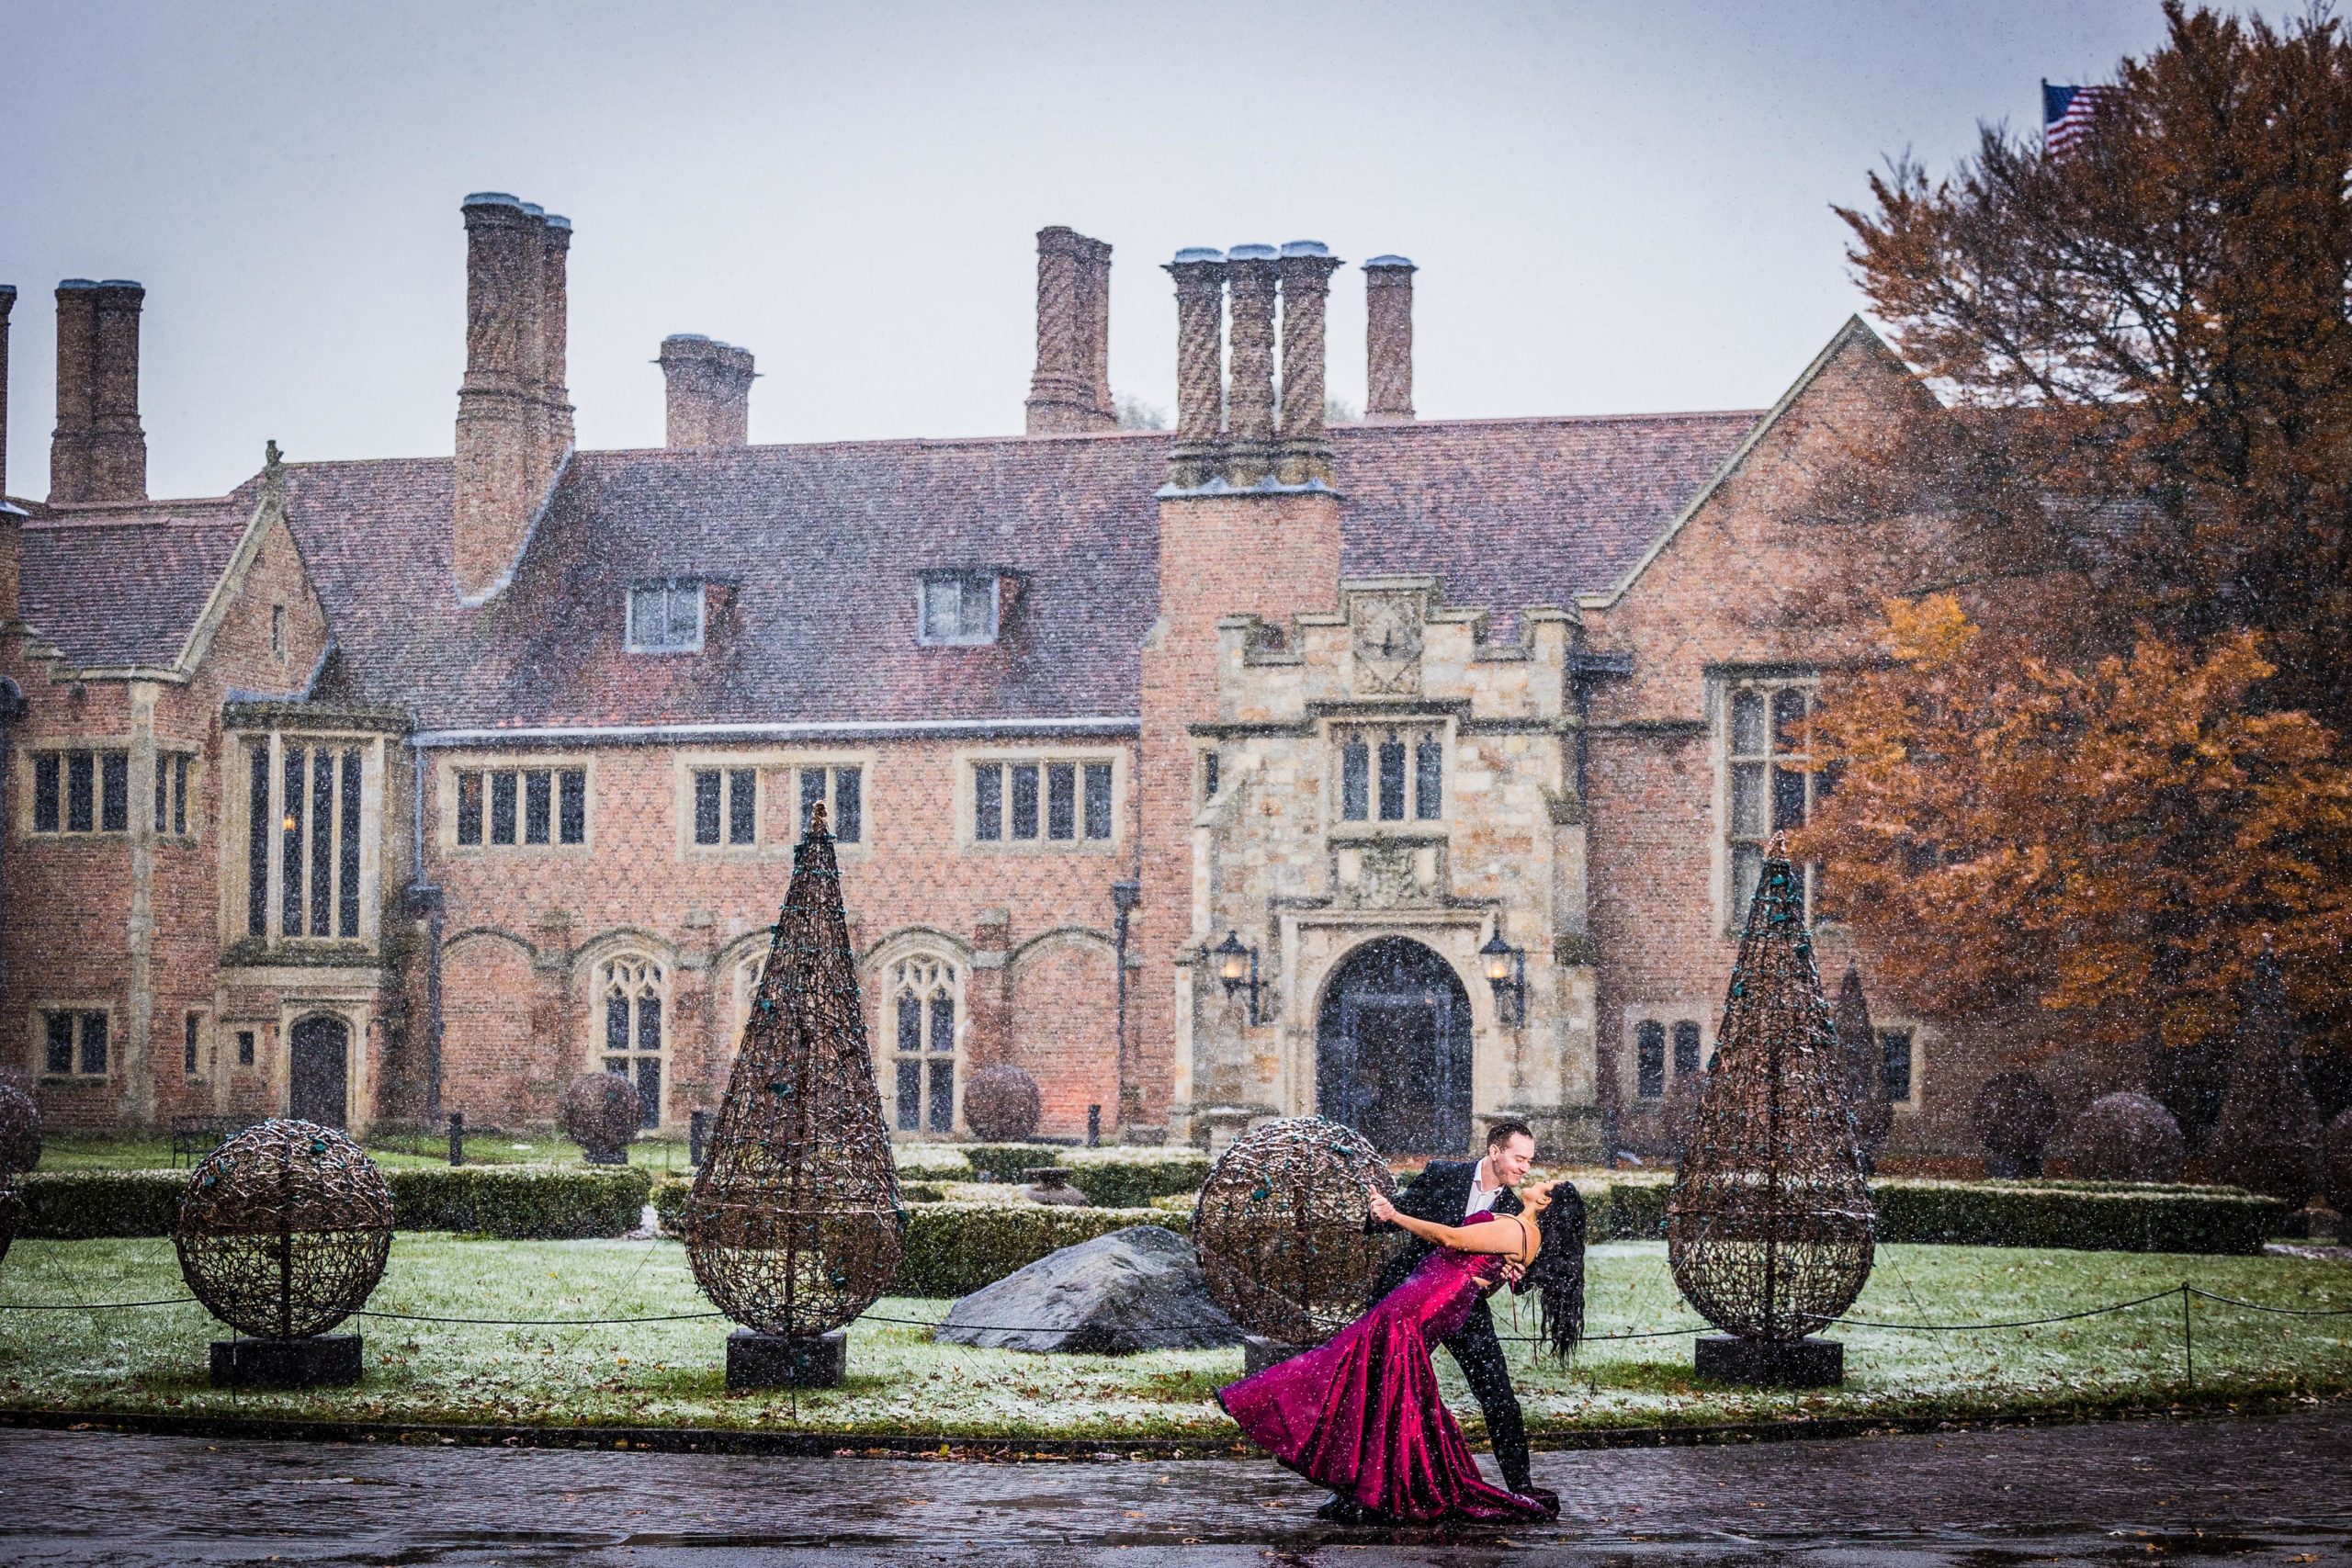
[[820, 546], [123, 585]]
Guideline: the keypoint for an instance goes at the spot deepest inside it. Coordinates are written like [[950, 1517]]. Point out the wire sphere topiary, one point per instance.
[[600, 1112], [1001, 1103], [1280, 1228], [2013, 1118], [2126, 1137], [284, 1229], [794, 1225], [1769, 1228]]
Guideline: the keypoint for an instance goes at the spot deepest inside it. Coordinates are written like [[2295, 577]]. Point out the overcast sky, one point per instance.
[[1616, 207]]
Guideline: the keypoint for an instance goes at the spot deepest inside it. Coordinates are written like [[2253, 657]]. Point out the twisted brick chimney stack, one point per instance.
[[8, 303], [1071, 389], [708, 387], [1227, 433], [1389, 340], [513, 412], [99, 452]]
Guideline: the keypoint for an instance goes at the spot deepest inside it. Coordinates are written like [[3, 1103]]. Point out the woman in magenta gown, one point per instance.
[[1360, 1414]]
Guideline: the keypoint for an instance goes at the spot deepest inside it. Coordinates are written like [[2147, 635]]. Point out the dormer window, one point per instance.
[[959, 607], [665, 616]]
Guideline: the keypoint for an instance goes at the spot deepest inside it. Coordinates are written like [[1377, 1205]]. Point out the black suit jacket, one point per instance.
[[1436, 1196]]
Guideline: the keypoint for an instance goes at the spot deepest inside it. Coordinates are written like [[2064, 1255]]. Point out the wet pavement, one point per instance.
[[2269, 1489]]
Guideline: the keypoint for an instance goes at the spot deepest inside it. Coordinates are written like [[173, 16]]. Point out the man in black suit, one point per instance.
[[1448, 1192]]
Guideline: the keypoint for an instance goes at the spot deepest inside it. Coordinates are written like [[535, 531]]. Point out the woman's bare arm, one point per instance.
[[1513, 1240]]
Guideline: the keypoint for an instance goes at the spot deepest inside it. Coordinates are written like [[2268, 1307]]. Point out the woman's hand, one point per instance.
[[1381, 1209]]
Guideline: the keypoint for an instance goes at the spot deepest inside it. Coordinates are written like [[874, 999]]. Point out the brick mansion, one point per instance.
[[1411, 771]]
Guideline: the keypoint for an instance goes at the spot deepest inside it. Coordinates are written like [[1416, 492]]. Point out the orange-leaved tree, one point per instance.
[[2085, 854]]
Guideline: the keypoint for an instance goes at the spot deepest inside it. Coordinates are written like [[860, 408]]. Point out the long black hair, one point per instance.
[[1557, 1274]]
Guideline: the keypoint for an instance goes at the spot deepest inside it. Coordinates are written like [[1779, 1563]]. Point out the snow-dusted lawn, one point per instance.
[[670, 1373]]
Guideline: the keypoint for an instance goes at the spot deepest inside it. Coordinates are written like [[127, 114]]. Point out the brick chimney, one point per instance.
[[513, 416], [1251, 275], [1198, 454], [1305, 453], [8, 303], [1071, 388], [709, 391], [97, 452], [1389, 340]]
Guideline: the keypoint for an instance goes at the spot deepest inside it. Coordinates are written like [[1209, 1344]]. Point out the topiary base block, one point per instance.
[[774, 1360], [1258, 1353], [1770, 1363], [324, 1361]]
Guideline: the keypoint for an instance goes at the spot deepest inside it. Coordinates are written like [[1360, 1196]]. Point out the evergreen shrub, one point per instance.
[[1115, 1177], [508, 1201]]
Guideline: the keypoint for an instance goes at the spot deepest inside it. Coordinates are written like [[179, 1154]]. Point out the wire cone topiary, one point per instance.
[[794, 1226], [1862, 1068], [283, 1230], [1280, 1228], [1769, 1228]]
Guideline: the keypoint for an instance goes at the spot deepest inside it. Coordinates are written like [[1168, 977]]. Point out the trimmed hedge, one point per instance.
[[954, 1249], [1114, 1178], [509, 1202], [2086, 1215]]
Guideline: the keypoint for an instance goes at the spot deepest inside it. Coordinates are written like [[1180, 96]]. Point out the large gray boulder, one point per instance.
[[1138, 1288]]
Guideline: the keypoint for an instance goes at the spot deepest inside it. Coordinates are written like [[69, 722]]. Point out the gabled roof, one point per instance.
[[817, 548], [123, 587]]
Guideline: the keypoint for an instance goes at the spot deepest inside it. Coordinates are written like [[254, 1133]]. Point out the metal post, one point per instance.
[[697, 1136], [1094, 1126], [457, 1137], [2188, 1342]]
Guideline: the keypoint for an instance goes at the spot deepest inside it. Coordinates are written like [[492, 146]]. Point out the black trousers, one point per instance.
[[1480, 1356]]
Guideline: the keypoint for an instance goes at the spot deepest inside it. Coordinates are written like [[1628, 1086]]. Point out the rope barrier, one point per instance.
[[2183, 1289]]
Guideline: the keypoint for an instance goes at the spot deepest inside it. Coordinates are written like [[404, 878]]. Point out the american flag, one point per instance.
[[2066, 116]]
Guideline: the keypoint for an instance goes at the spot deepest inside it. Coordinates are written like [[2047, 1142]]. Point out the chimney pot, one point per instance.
[[1306, 248], [1198, 455], [1305, 454], [1251, 279], [1389, 340], [708, 389]]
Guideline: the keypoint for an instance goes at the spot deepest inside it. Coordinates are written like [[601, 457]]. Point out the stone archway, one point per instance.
[[1392, 1049], [318, 1086]]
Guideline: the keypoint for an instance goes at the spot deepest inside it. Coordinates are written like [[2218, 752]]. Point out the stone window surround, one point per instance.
[[28, 751], [198, 1070], [448, 765], [877, 970], [1668, 1014], [235, 839], [1721, 684], [965, 759], [1335, 732], [1922, 1037], [37, 1041], [773, 764], [599, 973], [894, 977]]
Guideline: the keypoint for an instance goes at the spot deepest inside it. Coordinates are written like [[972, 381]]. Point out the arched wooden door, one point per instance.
[[319, 1071], [1393, 1049]]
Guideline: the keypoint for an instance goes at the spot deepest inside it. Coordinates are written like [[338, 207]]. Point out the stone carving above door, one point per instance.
[[1387, 639], [1386, 872]]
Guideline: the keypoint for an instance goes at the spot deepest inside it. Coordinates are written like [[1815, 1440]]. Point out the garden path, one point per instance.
[[2268, 1490]]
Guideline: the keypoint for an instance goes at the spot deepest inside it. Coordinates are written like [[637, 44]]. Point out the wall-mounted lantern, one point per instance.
[[1238, 966], [1506, 972]]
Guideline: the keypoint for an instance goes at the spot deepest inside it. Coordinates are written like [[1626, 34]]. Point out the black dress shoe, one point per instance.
[[1341, 1510]]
